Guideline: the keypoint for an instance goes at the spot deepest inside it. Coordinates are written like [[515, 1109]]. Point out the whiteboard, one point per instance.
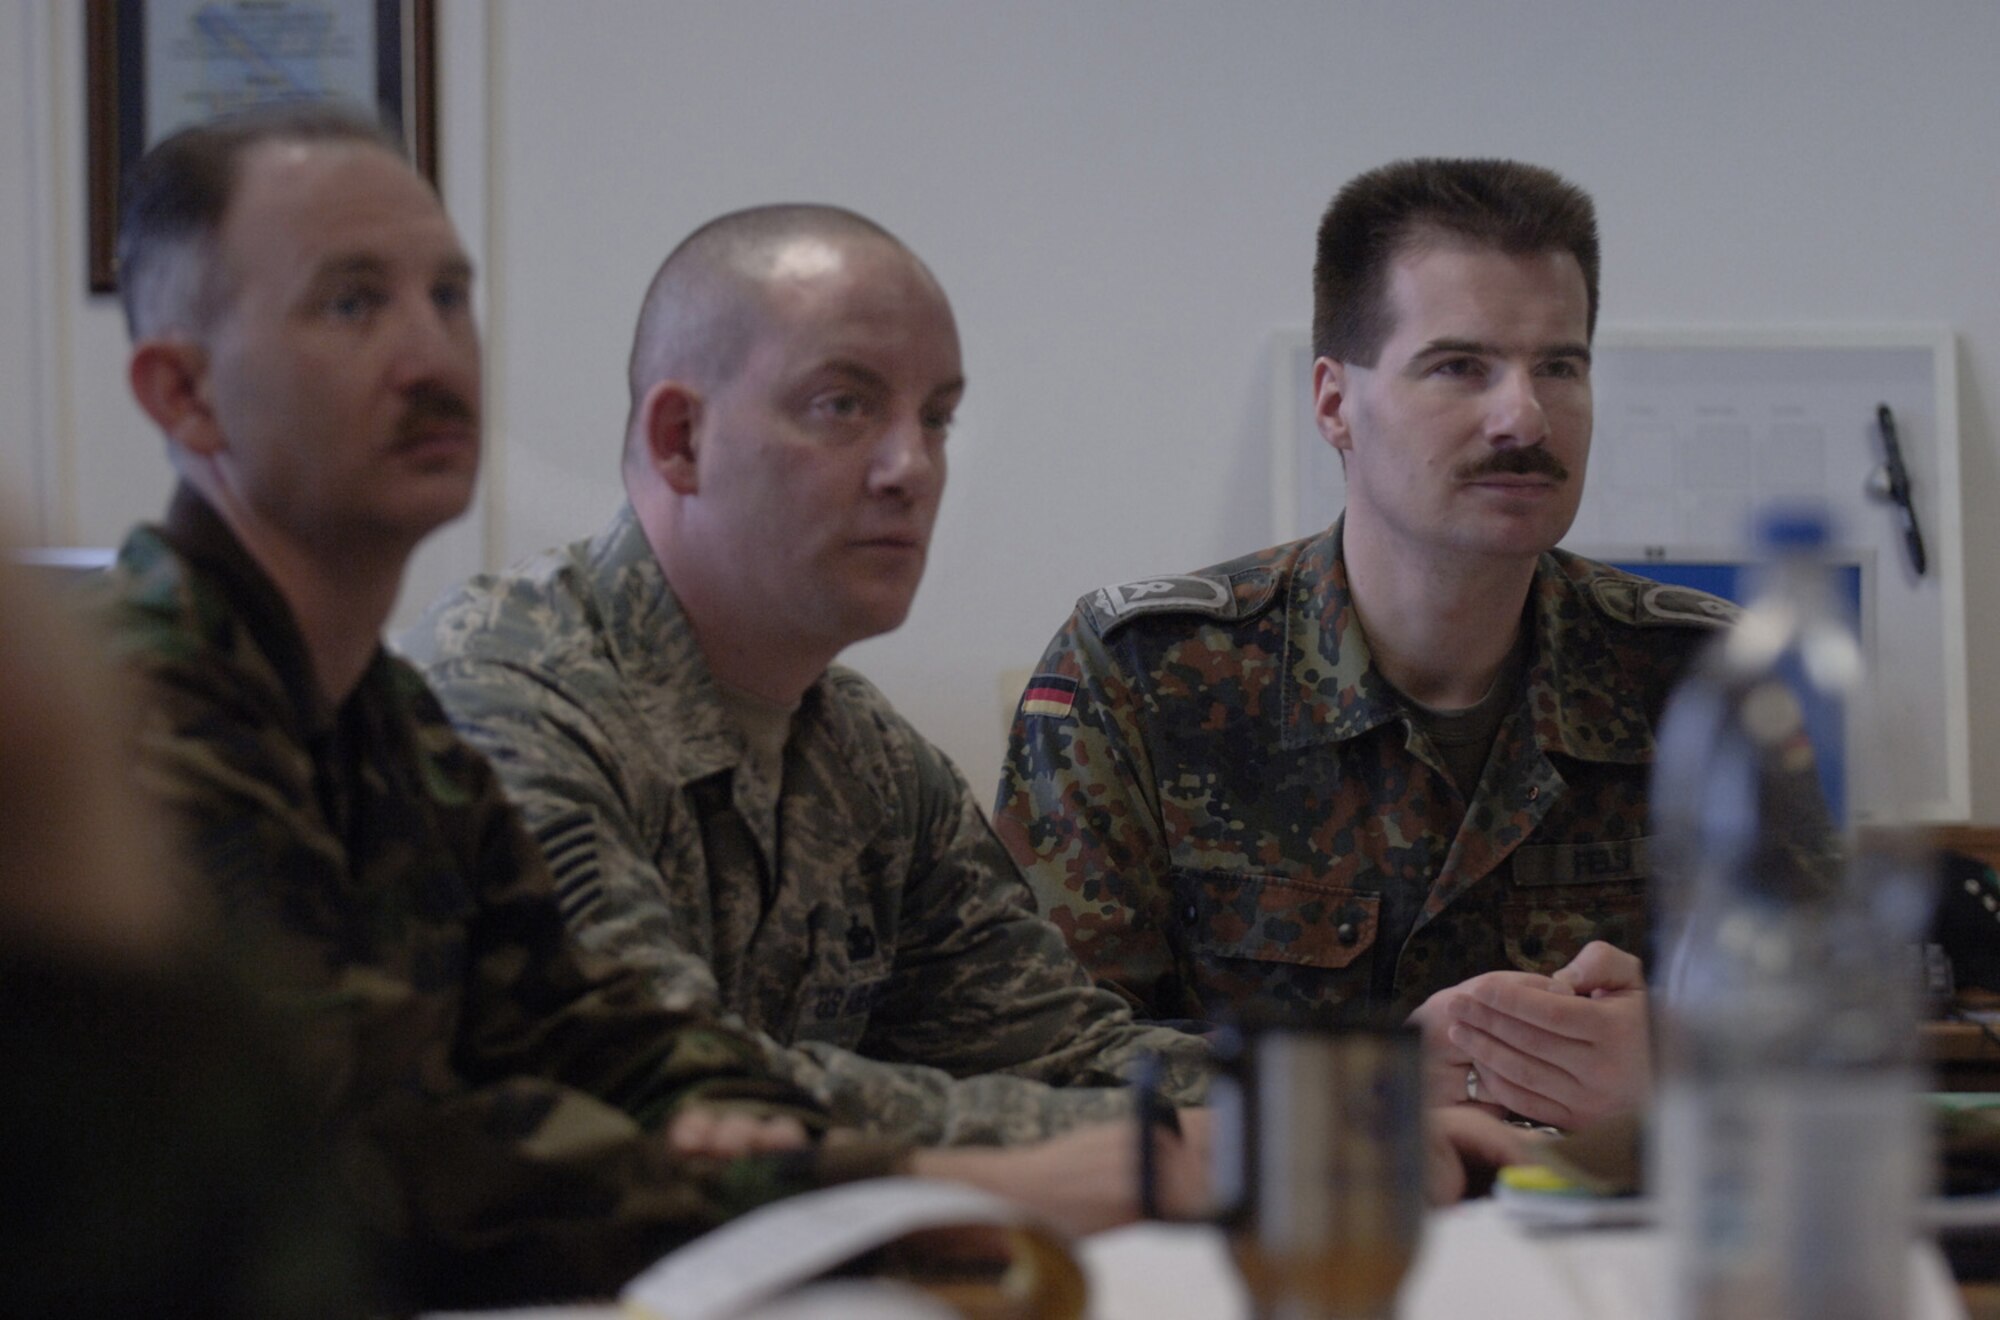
[[1697, 427]]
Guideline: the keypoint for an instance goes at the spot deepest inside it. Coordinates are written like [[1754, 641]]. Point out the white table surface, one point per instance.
[[1475, 1262]]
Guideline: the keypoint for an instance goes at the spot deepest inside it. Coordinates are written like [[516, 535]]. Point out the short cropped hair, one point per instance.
[[1517, 208], [700, 314], [177, 194], [710, 279]]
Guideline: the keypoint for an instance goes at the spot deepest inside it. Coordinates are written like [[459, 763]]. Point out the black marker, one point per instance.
[[1899, 486]]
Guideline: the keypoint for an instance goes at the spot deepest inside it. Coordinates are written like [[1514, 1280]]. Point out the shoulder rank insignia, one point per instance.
[[1198, 595], [1658, 604]]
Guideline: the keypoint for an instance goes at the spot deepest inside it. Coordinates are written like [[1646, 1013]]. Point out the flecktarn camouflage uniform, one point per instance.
[[489, 1091], [883, 942], [1218, 797]]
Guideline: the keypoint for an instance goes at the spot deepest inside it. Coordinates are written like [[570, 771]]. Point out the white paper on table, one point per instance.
[[779, 1246]]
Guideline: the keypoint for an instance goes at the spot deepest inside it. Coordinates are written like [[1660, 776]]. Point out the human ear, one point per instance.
[[669, 415], [1330, 402], [169, 379]]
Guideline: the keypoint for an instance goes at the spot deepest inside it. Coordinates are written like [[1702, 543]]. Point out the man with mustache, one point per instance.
[[1398, 767], [724, 808]]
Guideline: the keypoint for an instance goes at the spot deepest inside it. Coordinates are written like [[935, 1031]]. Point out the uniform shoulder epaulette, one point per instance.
[[1205, 595], [1644, 604]]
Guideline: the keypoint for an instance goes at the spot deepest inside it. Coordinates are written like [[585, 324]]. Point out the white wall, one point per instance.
[[94, 464], [1120, 196], [21, 423], [76, 454]]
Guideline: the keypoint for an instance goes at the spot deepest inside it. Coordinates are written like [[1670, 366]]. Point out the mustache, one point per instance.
[[1533, 461], [432, 405]]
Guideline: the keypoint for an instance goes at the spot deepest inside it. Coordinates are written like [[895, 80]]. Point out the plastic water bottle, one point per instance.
[[1788, 1148]]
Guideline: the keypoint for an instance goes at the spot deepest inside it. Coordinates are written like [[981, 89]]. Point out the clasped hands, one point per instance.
[[1565, 1050]]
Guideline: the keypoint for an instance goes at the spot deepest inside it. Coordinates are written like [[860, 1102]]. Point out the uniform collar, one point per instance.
[[1334, 691], [198, 534], [650, 641]]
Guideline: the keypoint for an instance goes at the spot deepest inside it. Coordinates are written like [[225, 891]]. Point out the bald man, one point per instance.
[[724, 808]]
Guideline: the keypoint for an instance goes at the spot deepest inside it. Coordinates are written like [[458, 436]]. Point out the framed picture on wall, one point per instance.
[[154, 66]]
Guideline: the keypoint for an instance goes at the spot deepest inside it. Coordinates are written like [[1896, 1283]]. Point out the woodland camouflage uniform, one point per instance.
[[491, 1094], [1224, 805]]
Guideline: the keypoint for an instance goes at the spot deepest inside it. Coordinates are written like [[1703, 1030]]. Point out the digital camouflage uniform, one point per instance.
[[489, 1091], [1220, 800], [883, 944]]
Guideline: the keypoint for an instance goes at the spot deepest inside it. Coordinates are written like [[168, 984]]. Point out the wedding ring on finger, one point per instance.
[[1472, 1084]]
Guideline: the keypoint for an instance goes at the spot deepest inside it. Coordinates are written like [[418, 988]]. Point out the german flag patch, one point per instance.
[[1049, 694]]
